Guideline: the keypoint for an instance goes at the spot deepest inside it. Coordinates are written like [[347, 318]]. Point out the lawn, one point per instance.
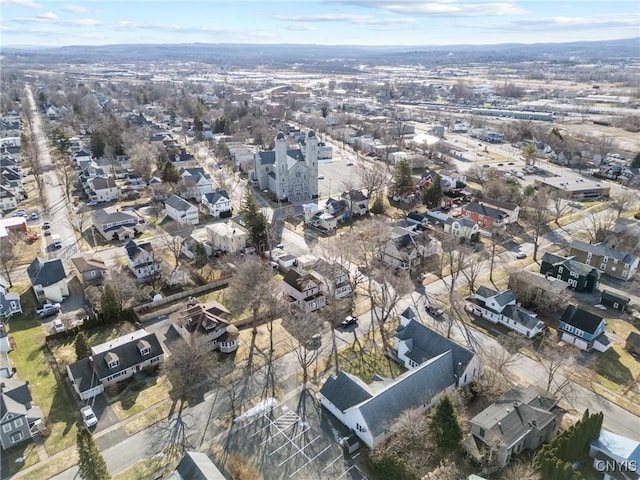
[[53, 397], [25, 450], [155, 467], [365, 364], [141, 395]]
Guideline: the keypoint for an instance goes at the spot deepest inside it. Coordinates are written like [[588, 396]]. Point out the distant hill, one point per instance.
[[330, 58]]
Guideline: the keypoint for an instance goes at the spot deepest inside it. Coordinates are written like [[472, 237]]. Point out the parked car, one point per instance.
[[521, 255], [58, 326], [48, 309], [431, 310], [350, 320], [599, 306], [349, 164], [320, 177], [20, 213], [88, 417], [92, 203], [33, 216]]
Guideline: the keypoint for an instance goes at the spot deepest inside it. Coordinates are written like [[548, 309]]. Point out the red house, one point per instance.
[[485, 216]]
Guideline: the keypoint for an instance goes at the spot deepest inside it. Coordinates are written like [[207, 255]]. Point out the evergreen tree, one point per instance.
[[254, 220], [432, 196], [404, 184], [91, 464], [98, 143], [444, 428], [110, 305], [378, 206], [83, 350], [392, 466], [170, 173], [635, 163]]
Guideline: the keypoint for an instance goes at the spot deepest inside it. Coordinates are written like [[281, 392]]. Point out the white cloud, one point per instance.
[[302, 27], [438, 8], [21, 3], [353, 19], [47, 16], [631, 20], [130, 26], [75, 9]]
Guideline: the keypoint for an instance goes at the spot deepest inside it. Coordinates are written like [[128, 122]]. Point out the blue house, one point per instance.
[[583, 329]]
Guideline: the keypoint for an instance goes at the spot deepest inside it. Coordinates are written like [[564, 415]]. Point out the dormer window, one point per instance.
[[112, 360], [144, 347]]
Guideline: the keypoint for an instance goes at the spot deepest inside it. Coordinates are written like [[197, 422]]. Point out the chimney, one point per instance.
[[91, 362], [1, 387]]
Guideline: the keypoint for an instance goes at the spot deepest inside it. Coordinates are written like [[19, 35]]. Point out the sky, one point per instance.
[[322, 22]]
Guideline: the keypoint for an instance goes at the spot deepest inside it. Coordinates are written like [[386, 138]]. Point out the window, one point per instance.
[[6, 427], [616, 305], [560, 269], [605, 259], [18, 422], [16, 437], [113, 364], [482, 432]]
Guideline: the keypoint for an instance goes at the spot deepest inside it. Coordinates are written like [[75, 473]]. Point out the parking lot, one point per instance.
[[296, 440]]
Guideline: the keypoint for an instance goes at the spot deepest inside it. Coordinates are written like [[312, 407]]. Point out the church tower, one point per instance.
[[311, 158], [282, 171]]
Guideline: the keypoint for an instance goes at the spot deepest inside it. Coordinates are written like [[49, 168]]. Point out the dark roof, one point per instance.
[[521, 316], [603, 250], [485, 292], [586, 321], [345, 390], [198, 466], [354, 195], [99, 183], [132, 248], [614, 297], [499, 204], [571, 263], [417, 217], [513, 414], [127, 354], [178, 203], [16, 398], [269, 157], [102, 217], [88, 264], [427, 343], [633, 339], [46, 273], [213, 197], [486, 211], [296, 279], [408, 314]]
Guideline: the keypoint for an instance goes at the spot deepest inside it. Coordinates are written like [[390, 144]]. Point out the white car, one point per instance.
[[599, 306], [58, 326], [88, 417], [521, 255]]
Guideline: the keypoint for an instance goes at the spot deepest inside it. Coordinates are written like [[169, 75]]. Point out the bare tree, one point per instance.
[[473, 268], [623, 202], [536, 217], [190, 369], [11, 248], [553, 360], [67, 177], [374, 178], [143, 159], [599, 226], [558, 205], [174, 240], [305, 338], [498, 236], [604, 146]]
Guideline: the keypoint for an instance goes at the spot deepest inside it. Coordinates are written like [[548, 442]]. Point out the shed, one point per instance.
[[632, 344], [614, 300]]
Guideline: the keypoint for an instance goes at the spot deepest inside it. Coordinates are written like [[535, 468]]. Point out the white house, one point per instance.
[[216, 203], [303, 290], [9, 302], [501, 307], [462, 228], [333, 278], [141, 260], [370, 410], [206, 325], [103, 189], [8, 201], [510, 209], [229, 237], [49, 280], [115, 225], [181, 211], [195, 182], [357, 202], [114, 361], [406, 249]]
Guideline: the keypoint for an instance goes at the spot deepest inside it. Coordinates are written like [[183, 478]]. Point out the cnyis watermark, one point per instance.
[[615, 465]]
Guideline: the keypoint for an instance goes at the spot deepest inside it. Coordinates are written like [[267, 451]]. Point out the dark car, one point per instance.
[[433, 311]]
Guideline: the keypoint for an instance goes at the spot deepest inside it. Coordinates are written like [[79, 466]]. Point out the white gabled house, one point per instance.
[[501, 307], [334, 279], [303, 290], [141, 260], [195, 183], [101, 189], [216, 203], [181, 211]]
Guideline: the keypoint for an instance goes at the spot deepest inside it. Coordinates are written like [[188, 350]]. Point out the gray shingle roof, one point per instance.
[[485, 210], [178, 203], [603, 250], [571, 263], [197, 466], [586, 321], [345, 390], [102, 217], [46, 273], [213, 197]]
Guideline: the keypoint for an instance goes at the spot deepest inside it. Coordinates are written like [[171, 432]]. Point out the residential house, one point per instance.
[[20, 418], [114, 361], [632, 343], [370, 410], [333, 278], [319, 218], [580, 276], [501, 307], [614, 300], [338, 208], [230, 236], [12, 180], [630, 176], [415, 343], [538, 291], [13, 224], [199, 236], [522, 419], [419, 219], [358, 202], [216, 203], [610, 261], [9, 302], [486, 217], [89, 270], [303, 290], [49, 280], [463, 227], [103, 189], [181, 211], [115, 225], [195, 182], [405, 250], [8, 200], [583, 329], [511, 209], [617, 457], [141, 260], [207, 326], [196, 466]]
